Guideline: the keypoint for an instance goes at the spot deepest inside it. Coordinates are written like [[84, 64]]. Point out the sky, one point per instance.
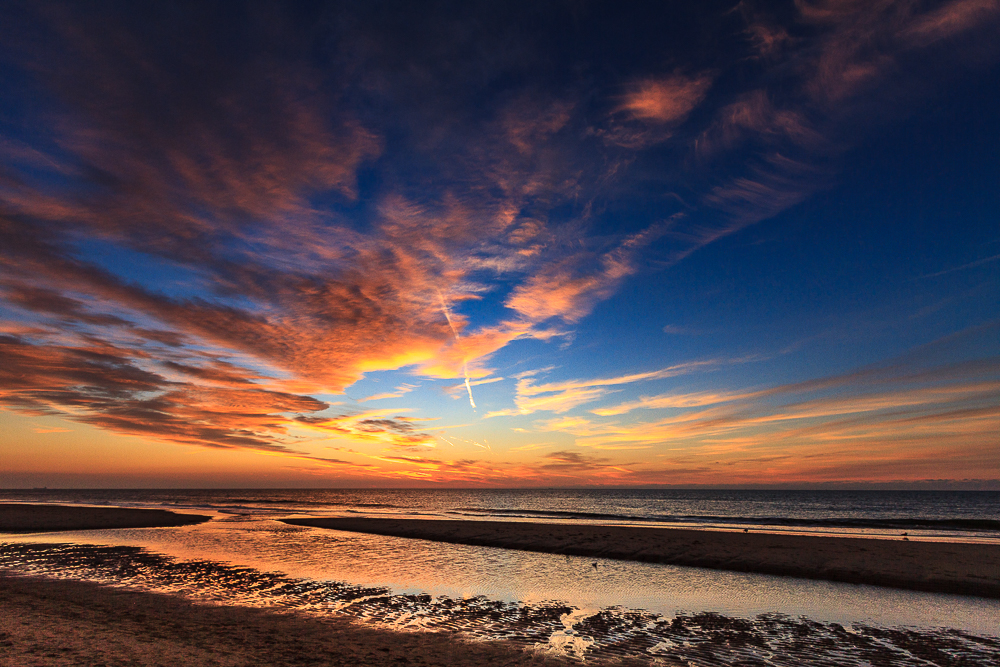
[[508, 244]]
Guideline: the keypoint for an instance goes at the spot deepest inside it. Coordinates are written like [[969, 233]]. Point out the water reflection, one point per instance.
[[704, 639], [412, 567]]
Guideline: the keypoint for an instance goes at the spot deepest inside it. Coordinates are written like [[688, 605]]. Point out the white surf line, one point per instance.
[[465, 370], [567, 642]]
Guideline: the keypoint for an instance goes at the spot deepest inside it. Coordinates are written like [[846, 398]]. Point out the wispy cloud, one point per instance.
[[563, 396], [569, 289], [968, 265], [398, 392], [194, 242], [950, 20], [797, 127], [108, 387], [898, 415], [576, 463], [371, 426], [686, 400], [665, 100], [678, 330]]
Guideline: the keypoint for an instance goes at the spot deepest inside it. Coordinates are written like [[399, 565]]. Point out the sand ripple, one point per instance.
[[693, 639]]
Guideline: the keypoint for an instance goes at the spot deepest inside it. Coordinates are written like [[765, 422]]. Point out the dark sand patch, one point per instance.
[[940, 567], [58, 622], [23, 518]]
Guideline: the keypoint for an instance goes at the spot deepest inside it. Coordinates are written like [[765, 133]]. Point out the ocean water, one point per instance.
[[941, 515], [570, 605]]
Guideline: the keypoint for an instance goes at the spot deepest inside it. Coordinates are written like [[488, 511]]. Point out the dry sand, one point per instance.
[[19, 518], [942, 567], [59, 622]]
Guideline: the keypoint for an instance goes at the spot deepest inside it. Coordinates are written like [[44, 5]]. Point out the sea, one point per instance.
[[573, 606]]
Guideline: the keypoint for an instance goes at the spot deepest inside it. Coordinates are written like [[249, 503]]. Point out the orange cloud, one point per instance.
[[291, 298], [665, 100], [289, 286], [899, 420], [230, 173], [569, 289], [108, 387], [398, 392], [371, 426]]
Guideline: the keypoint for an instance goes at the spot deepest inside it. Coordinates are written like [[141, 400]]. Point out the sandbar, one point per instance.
[[64, 622], [25, 518], [940, 567]]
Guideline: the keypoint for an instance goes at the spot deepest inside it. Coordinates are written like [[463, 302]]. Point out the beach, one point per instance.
[[27, 518], [940, 567], [55, 622], [58, 622], [74, 603]]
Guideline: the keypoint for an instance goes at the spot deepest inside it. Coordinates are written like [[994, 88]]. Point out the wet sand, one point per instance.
[[60, 622], [47, 622], [23, 518], [940, 567]]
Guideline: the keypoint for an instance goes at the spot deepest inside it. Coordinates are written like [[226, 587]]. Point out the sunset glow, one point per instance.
[[501, 244]]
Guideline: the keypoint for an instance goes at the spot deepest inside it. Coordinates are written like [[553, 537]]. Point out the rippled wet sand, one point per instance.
[[691, 639]]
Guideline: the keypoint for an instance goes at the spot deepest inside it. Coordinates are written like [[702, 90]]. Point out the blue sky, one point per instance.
[[524, 244]]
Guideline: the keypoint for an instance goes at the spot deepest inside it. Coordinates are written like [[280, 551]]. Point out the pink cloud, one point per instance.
[[950, 20], [665, 100], [767, 40], [569, 289]]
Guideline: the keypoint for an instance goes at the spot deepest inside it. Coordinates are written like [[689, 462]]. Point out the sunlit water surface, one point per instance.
[[571, 605]]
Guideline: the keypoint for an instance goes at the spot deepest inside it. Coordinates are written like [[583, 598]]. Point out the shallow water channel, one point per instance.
[[571, 605]]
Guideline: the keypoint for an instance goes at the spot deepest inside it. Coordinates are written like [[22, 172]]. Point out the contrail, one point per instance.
[[473, 442], [465, 370]]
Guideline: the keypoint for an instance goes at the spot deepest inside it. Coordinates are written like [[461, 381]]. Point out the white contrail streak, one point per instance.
[[465, 370]]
